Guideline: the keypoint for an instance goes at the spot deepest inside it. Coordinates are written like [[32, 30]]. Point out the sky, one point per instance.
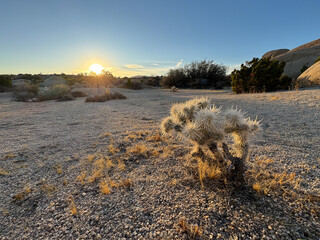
[[147, 37]]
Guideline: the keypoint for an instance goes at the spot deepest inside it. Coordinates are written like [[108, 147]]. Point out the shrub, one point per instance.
[[5, 81], [53, 93], [317, 60], [304, 67], [207, 127], [132, 85], [259, 75], [105, 97], [175, 77], [78, 94], [285, 82], [26, 92], [204, 74]]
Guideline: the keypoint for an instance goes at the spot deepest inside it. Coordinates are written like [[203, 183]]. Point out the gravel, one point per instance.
[[38, 139]]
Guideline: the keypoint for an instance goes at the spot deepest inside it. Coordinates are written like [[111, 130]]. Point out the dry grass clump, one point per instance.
[[26, 92], [22, 195], [3, 172], [207, 128], [106, 97], [139, 149], [155, 138], [9, 155], [104, 187], [72, 206], [96, 168], [265, 181], [285, 184], [58, 168], [192, 231], [112, 149]]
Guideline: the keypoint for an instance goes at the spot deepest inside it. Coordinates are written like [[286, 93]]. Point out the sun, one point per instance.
[[96, 68]]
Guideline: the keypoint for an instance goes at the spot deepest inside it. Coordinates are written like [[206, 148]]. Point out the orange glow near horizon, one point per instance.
[[96, 68]]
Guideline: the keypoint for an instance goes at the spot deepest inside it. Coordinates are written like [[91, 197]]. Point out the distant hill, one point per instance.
[[296, 58]]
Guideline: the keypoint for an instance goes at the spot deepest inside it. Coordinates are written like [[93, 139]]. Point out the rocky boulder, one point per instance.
[[296, 58], [310, 77], [52, 81], [275, 53]]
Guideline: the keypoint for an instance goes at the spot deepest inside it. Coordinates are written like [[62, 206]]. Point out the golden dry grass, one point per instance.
[[285, 184], [3, 172], [23, 194], [205, 170], [112, 149], [48, 188], [58, 168], [9, 155], [104, 187], [72, 206], [192, 231], [139, 149]]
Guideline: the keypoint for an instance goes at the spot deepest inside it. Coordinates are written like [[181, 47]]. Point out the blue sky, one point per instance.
[[146, 37]]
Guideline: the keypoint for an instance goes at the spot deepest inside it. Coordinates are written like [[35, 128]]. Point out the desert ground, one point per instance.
[[51, 185]]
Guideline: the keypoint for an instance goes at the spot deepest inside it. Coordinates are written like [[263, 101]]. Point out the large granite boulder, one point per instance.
[[275, 53], [310, 77], [52, 81], [298, 57]]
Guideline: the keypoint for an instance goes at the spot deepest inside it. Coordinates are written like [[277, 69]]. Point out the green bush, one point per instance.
[[317, 60], [304, 67], [204, 74], [5, 81], [175, 77], [53, 93], [285, 82], [259, 75]]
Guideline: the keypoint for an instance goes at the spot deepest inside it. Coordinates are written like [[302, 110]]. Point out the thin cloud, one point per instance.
[[134, 66], [179, 63]]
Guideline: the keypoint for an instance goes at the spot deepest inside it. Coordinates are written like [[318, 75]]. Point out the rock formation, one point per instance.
[[296, 58]]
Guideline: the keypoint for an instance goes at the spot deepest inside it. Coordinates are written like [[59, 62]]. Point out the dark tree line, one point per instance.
[[204, 74], [260, 75]]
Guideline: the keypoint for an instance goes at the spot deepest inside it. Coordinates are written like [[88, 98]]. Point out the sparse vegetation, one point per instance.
[[207, 127], [5, 82], [3, 172], [106, 97], [22, 195], [78, 94], [55, 92], [72, 206], [132, 85], [192, 231], [139, 149], [26, 92]]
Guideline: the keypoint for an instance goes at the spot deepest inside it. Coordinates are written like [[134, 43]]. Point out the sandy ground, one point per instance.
[[35, 138]]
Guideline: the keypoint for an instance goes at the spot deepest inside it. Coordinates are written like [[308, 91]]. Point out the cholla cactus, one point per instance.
[[207, 126]]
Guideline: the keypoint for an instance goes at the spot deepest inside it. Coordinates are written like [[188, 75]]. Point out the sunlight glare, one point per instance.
[[96, 68]]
